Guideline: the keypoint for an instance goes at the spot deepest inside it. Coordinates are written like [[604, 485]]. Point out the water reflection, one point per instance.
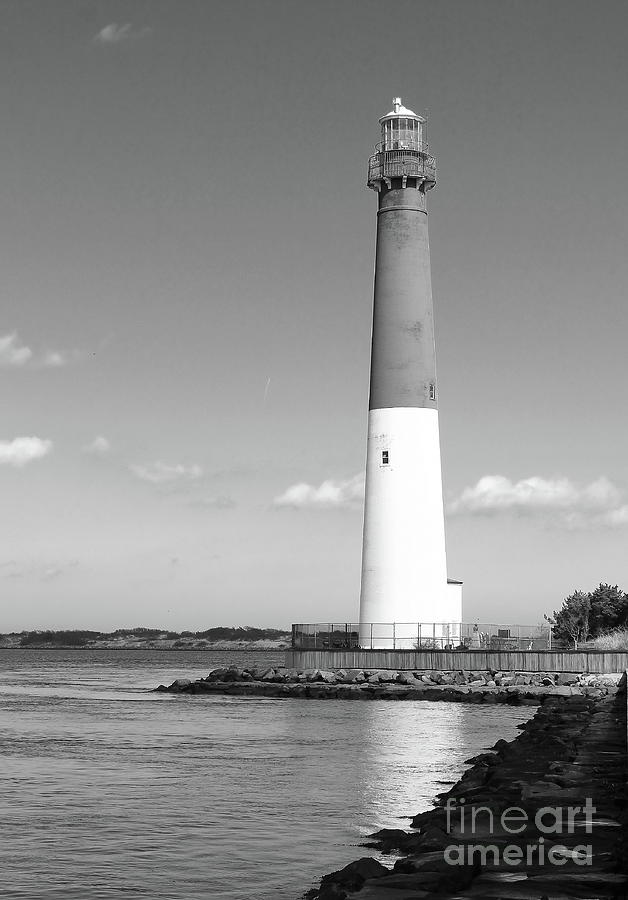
[[185, 798], [390, 758], [404, 746]]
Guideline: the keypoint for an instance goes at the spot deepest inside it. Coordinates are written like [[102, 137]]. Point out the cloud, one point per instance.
[[10, 569], [41, 570], [54, 359], [615, 518], [558, 499], [15, 354], [161, 473], [330, 494], [100, 446], [117, 34], [23, 450], [188, 484], [12, 351]]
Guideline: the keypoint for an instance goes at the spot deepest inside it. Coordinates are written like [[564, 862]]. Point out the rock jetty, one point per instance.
[[542, 817], [367, 684]]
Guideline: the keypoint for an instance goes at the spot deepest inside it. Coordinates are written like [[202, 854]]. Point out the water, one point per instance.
[[107, 791]]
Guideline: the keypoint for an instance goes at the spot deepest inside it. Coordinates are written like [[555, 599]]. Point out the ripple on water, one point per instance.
[[107, 793]]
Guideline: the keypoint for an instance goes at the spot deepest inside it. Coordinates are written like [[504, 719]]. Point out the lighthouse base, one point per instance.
[[404, 572], [410, 635]]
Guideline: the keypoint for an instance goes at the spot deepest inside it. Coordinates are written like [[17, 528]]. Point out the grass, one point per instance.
[[612, 640]]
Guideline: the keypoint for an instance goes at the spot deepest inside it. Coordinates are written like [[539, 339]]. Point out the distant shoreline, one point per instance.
[[236, 648], [213, 639]]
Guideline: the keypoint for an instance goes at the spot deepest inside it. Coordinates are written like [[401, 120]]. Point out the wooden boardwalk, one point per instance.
[[590, 661]]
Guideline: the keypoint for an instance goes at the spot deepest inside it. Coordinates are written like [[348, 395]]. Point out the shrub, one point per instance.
[[590, 615], [74, 638]]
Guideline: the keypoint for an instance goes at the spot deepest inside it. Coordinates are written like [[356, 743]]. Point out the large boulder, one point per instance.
[[218, 674], [381, 676], [267, 674], [407, 678], [388, 676], [594, 692], [291, 675], [388, 839], [312, 675], [353, 876], [346, 676], [433, 838], [275, 676], [233, 673]]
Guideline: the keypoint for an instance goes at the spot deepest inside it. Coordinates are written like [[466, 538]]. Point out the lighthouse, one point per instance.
[[404, 571]]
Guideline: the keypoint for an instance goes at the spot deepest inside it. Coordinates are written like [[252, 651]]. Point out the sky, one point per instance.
[[186, 291]]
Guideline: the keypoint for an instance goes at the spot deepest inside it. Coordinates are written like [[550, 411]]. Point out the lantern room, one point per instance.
[[402, 129], [402, 153]]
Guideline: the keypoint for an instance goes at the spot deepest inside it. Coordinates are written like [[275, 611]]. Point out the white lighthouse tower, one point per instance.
[[404, 571]]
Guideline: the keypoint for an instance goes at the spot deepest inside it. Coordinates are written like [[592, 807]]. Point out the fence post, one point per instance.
[[371, 635], [394, 637]]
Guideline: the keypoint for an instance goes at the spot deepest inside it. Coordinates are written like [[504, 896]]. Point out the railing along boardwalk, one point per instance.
[[577, 661], [420, 636]]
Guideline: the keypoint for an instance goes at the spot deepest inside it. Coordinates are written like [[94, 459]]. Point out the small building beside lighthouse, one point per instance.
[[404, 570]]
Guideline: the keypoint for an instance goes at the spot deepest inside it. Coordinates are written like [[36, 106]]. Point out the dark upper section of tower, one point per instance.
[[401, 159]]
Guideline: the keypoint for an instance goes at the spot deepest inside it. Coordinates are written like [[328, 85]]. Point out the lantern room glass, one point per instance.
[[402, 133]]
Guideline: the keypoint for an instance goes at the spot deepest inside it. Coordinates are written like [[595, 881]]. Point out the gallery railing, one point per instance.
[[396, 163], [420, 636]]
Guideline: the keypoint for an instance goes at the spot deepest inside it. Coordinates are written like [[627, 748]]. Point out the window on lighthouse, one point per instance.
[[432, 392], [384, 457]]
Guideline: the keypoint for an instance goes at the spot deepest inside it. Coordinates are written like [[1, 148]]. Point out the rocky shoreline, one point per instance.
[[505, 830], [360, 684]]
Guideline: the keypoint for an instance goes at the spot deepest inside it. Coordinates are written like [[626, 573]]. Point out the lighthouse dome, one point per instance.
[[400, 110]]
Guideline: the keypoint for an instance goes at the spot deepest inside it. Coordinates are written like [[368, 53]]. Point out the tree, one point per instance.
[[609, 609], [571, 621]]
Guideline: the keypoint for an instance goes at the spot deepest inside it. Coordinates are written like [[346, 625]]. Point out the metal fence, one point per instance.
[[420, 636]]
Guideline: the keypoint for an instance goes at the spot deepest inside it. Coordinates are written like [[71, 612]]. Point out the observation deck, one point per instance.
[[403, 151]]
